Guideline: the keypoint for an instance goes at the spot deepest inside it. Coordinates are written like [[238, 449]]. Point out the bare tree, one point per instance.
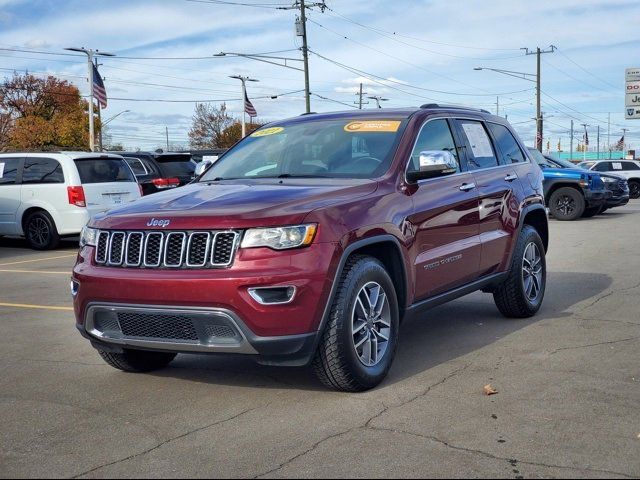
[[209, 122]]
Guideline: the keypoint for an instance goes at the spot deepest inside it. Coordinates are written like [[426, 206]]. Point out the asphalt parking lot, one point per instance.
[[568, 382]]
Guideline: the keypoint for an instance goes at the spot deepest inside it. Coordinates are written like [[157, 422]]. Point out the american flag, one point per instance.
[[99, 92], [248, 107], [620, 144]]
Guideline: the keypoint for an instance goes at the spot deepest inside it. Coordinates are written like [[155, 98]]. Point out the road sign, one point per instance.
[[632, 113], [632, 75], [632, 94]]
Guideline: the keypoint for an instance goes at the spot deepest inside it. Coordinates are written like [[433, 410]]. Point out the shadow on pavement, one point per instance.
[[14, 247], [445, 333]]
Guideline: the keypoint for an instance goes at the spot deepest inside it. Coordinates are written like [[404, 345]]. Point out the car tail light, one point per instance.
[[76, 196], [162, 183]]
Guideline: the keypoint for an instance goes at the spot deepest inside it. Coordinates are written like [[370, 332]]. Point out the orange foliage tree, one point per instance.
[[42, 114]]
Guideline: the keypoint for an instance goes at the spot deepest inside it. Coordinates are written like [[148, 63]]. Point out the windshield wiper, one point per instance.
[[293, 175]]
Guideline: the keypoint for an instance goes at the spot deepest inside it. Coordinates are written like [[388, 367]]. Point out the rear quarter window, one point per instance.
[[42, 170], [137, 166], [104, 170]]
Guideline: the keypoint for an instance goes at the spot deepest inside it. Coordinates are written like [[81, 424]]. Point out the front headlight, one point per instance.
[[88, 236], [280, 238], [608, 180]]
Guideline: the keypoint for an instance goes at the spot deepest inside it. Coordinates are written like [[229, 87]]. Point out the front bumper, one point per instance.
[[596, 198], [207, 299]]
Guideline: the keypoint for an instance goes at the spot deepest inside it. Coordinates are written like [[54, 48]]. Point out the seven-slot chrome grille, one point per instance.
[[170, 249]]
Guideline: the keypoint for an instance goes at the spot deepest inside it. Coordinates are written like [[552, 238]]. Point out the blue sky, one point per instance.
[[426, 51]]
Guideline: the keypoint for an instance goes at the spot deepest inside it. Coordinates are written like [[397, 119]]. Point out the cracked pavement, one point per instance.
[[567, 406]]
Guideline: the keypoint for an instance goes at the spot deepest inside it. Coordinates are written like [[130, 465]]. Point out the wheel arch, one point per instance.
[[28, 212], [536, 217], [562, 184]]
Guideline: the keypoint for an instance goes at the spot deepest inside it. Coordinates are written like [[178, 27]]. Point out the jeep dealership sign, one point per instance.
[[632, 93]]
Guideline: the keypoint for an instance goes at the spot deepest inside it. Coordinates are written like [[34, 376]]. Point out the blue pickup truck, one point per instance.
[[570, 192]]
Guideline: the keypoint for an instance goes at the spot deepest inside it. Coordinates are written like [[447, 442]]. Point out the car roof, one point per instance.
[[62, 155]]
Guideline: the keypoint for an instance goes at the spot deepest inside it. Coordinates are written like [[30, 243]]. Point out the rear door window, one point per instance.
[[104, 170], [176, 165], [137, 166], [605, 167], [9, 170], [42, 170], [507, 144], [480, 152]]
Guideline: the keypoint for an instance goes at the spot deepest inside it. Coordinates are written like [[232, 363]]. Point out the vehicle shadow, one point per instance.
[[444, 333], [18, 247]]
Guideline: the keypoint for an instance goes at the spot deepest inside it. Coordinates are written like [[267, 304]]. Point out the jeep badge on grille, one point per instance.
[[158, 223]]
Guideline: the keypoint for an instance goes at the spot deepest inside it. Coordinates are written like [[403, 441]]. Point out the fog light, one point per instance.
[[75, 286], [273, 295]]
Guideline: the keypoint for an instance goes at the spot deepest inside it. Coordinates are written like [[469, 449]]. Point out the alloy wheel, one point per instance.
[[532, 274], [634, 190], [39, 232], [566, 205], [371, 324]]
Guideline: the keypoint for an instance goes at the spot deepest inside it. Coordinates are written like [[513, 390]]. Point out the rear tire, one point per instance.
[[566, 204], [359, 343], [592, 212], [41, 232], [521, 295], [634, 189], [137, 361]]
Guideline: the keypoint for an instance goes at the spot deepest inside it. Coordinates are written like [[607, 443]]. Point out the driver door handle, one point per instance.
[[510, 178], [465, 187]]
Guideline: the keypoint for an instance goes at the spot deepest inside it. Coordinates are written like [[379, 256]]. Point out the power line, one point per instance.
[[587, 71], [273, 6]]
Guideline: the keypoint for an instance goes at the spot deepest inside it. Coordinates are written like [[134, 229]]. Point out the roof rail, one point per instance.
[[453, 107]]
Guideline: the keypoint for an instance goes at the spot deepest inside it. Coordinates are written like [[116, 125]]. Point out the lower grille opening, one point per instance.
[[146, 325]]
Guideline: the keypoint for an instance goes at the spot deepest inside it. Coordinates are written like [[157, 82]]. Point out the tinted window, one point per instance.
[[8, 170], [42, 170], [586, 165], [178, 169], [336, 148], [507, 144], [137, 166], [603, 167], [630, 166], [104, 170], [435, 135], [479, 149]]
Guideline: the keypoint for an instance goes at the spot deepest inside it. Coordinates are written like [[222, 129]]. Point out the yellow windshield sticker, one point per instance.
[[373, 126], [267, 131]]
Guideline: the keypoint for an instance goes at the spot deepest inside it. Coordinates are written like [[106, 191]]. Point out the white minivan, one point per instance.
[[45, 196]]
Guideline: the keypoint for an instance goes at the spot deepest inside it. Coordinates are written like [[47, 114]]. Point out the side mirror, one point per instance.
[[202, 166], [434, 163]]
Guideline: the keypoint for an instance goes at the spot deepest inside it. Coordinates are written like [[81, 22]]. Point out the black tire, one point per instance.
[[566, 204], [634, 189], [604, 209], [337, 363], [592, 212], [41, 232], [511, 297], [137, 361]]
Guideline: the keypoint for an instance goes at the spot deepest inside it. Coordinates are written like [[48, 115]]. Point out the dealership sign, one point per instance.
[[632, 93]]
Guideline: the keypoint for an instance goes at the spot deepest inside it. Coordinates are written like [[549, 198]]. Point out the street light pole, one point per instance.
[[244, 80], [90, 55], [378, 99]]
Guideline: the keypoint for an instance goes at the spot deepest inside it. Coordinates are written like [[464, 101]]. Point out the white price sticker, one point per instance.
[[617, 166], [480, 143], [1, 170]]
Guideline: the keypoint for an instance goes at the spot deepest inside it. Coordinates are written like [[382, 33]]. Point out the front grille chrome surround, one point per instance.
[[167, 249]]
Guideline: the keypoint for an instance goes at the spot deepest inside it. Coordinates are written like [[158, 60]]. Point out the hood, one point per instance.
[[234, 204], [567, 173]]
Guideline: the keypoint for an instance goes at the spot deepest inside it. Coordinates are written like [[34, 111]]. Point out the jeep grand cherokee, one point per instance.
[[313, 238]]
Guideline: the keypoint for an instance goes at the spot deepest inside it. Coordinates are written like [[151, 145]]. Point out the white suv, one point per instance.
[[44, 196], [629, 169]]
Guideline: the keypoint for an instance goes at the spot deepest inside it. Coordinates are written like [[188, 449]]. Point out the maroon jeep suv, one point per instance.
[[313, 238]]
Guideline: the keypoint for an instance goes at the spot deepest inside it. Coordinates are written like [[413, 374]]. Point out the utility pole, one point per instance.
[[244, 81], [99, 116], [624, 142], [571, 142], [537, 53], [166, 131], [90, 55], [609, 135], [584, 139], [305, 55], [359, 102], [598, 142]]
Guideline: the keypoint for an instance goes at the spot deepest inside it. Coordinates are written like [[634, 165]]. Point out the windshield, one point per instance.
[[586, 165], [564, 163], [103, 170], [540, 160], [339, 148]]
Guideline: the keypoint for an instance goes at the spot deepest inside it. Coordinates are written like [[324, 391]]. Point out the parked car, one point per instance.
[[160, 171], [617, 187], [312, 238], [629, 169], [46, 196], [570, 192]]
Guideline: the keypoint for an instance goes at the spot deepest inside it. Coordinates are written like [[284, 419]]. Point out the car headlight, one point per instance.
[[280, 238], [88, 236], [608, 180]]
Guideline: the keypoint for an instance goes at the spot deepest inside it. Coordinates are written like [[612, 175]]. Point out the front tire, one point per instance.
[[634, 189], [566, 204], [521, 295], [359, 342], [137, 361], [41, 232]]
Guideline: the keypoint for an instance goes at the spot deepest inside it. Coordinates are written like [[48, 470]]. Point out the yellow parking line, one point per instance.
[[36, 260], [40, 307], [36, 271]]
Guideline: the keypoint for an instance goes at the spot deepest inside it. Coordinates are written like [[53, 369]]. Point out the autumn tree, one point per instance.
[[42, 114], [209, 122], [233, 133]]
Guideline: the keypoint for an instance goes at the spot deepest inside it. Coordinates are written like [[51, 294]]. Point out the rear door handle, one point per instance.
[[510, 178], [467, 186]]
